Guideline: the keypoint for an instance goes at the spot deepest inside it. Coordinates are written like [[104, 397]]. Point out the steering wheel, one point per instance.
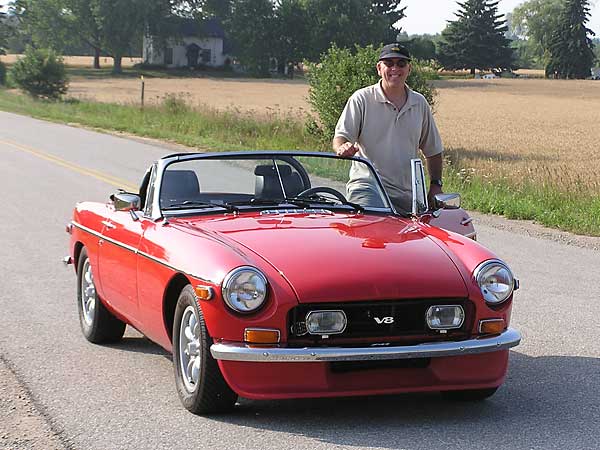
[[322, 190]]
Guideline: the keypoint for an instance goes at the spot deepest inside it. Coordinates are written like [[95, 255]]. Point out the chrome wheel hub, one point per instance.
[[190, 350], [88, 294]]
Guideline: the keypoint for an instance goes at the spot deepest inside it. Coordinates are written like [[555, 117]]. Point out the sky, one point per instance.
[[430, 16]]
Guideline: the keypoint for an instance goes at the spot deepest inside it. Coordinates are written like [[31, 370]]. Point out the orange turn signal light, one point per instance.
[[204, 292], [261, 336], [491, 326]]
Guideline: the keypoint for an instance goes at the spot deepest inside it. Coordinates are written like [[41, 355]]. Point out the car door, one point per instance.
[[117, 262]]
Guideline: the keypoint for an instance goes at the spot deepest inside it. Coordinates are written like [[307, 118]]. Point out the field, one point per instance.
[[544, 131], [80, 61]]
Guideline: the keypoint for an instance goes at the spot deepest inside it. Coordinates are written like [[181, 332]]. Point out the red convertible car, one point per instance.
[[268, 278]]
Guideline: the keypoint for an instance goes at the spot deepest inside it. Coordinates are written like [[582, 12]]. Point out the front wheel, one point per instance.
[[470, 395], [97, 323], [200, 384]]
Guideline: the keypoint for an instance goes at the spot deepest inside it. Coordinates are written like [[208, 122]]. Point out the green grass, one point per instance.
[[578, 212], [174, 121]]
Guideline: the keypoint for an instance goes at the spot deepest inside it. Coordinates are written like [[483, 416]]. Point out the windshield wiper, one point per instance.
[[190, 204], [325, 201]]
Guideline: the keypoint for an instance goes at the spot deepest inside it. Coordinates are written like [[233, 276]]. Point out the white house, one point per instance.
[[197, 43]]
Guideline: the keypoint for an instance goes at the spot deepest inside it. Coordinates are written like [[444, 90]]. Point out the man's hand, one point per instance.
[[434, 189], [346, 149]]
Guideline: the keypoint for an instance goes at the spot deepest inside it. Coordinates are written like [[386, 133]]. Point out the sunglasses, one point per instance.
[[400, 63]]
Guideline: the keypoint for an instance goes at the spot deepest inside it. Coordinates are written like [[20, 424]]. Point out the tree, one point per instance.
[[533, 22], [4, 30], [293, 28], [41, 73], [391, 13], [571, 49], [108, 26], [351, 22], [421, 47], [59, 24], [476, 39], [251, 30], [119, 22]]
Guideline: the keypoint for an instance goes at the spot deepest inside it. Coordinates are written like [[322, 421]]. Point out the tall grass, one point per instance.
[[564, 199]]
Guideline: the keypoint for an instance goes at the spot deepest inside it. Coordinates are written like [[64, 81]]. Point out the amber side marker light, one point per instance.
[[261, 336], [491, 326], [204, 292]]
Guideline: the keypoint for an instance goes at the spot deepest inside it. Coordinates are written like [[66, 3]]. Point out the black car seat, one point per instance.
[[267, 185], [179, 186]]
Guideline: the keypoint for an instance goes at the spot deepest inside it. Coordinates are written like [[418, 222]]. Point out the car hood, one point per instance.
[[334, 257]]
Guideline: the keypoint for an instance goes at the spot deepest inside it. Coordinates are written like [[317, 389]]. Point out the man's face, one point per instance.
[[393, 71]]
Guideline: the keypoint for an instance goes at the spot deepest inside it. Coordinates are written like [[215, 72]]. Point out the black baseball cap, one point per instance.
[[394, 51]]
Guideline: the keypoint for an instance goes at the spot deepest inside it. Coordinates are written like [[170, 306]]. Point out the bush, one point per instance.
[[341, 72], [2, 74], [41, 73]]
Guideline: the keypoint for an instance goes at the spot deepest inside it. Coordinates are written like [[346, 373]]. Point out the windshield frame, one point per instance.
[[155, 212]]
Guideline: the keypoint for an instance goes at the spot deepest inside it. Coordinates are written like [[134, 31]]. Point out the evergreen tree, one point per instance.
[[476, 39], [571, 49]]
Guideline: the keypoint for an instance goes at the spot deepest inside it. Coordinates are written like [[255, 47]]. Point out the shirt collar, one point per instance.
[[380, 96]]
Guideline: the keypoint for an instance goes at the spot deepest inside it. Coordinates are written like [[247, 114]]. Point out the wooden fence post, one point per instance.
[[142, 77]]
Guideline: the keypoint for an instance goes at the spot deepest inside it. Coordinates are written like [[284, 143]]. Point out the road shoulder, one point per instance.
[[23, 426]]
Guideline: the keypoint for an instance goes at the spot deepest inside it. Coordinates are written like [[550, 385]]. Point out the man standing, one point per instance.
[[388, 123]]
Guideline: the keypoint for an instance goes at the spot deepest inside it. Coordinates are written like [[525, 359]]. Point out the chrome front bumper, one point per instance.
[[235, 351]]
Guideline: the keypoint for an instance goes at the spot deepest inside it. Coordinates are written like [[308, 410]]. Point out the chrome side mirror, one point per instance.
[[447, 201], [124, 201]]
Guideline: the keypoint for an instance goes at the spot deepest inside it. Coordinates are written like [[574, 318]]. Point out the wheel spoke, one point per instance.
[[196, 370], [189, 334]]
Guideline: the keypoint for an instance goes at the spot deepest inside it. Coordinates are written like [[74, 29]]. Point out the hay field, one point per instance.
[[546, 131], [80, 61]]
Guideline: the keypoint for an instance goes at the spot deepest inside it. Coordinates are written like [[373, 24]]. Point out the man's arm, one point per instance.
[[343, 147], [434, 167]]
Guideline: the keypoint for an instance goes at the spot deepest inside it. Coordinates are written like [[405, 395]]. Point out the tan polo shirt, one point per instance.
[[389, 138]]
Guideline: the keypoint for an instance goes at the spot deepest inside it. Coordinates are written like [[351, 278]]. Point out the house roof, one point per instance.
[[200, 28]]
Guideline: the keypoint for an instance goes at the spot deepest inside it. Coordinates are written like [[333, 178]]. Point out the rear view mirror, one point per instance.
[[447, 201], [124, 201]]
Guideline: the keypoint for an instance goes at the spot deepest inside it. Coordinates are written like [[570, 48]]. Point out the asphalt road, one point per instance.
[[123, 396]]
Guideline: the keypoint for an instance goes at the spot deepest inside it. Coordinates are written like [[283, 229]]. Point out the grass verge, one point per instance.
[[208, 129]]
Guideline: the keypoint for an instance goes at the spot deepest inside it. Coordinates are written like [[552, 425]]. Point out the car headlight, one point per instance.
[[245, 289], [495, 280]]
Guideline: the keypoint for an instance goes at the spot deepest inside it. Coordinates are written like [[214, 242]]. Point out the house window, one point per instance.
[[168, 55], [206, 56]]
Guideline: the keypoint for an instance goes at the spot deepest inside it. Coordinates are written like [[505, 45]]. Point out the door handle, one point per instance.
[[109, 224]]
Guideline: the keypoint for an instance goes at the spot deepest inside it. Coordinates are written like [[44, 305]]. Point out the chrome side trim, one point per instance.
[[235, 351], [136, 251]]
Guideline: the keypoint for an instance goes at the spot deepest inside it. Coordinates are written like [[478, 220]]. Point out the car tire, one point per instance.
[[470, 395], [200, 384], [97, 323]]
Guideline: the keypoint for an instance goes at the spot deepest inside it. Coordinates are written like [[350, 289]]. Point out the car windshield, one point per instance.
[[241, 181]]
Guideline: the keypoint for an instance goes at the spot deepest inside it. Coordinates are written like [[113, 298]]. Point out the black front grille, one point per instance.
[[380, 319]]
